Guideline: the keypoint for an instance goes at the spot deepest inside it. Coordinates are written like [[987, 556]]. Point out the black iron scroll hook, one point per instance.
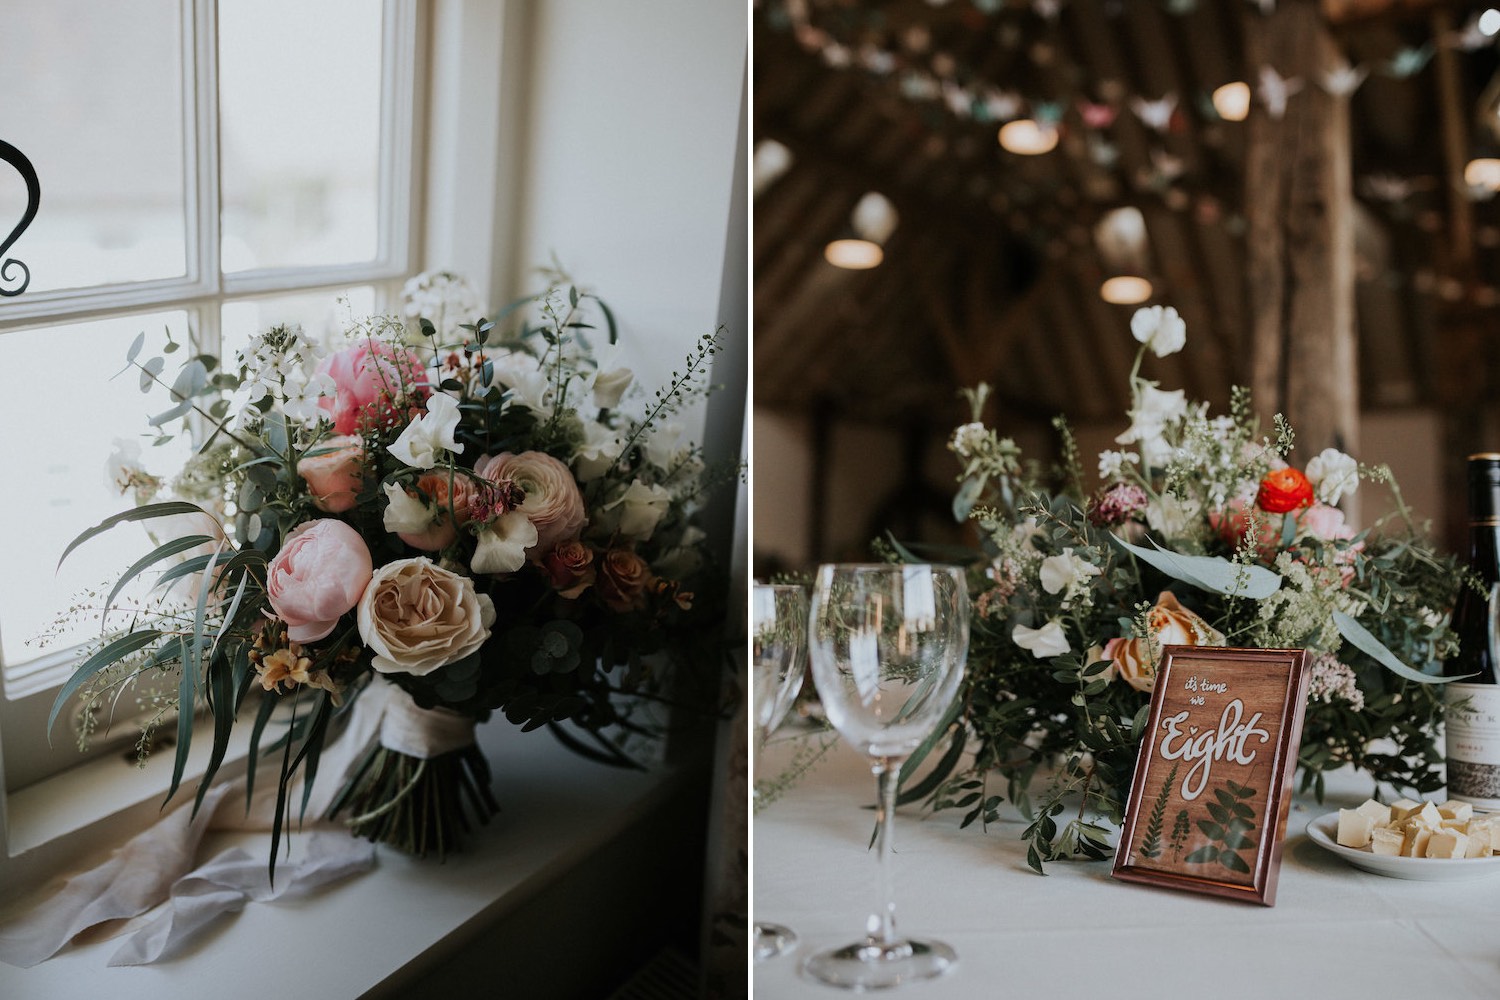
[[17, 159]]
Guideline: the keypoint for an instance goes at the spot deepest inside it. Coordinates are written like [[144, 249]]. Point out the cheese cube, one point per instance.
[[1386, 841], [1354, 828], [1495, 833], [1415, 844], [1478, 846], [1461, 825], [1402, 808], [1447, 844], [1428, 816], [1381, 814], [1456, 810], [1483, 833]]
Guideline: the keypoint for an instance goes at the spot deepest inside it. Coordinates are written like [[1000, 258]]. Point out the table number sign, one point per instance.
[[1208, 805]]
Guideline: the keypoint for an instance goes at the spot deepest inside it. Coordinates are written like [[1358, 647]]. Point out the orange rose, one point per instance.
[[570, 567], [1171, 625], [622, 580], [335, 474], [1284, 490]]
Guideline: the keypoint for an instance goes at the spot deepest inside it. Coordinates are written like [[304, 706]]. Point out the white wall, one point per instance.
[[632, 116]]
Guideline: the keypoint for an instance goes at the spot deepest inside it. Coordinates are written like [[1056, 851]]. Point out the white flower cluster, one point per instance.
[[1331, 680], [442, 297], [282, 364]]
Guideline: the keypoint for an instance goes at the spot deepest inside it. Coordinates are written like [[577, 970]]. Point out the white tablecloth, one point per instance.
[[1334, 932]]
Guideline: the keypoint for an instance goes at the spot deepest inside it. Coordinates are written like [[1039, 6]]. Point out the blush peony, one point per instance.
[[373, 382], [320, 573]]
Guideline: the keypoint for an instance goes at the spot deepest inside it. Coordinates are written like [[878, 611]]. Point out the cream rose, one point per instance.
[[416, 616], [1171, 625], [553, 503]]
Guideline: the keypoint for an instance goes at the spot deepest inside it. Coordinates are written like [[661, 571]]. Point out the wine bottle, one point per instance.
[[1473, 704]]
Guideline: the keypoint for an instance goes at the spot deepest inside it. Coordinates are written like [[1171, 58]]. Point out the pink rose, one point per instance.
[[335, 476], [373, 383], [553, 504], [319, 574], [622, 579], [1325, 523], [570, 568]]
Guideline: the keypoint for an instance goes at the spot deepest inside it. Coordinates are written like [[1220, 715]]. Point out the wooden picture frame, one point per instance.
[[1208, 804]]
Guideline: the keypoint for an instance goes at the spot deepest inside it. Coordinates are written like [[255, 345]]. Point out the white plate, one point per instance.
[[1324, 832]]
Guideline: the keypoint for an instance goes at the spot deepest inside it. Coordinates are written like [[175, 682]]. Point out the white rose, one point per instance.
[[639, 509], [416, 616], [1045, 642], [1160, 329], [1333, 474]]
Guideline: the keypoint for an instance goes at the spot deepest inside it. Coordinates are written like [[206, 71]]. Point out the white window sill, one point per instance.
[[623, 837]]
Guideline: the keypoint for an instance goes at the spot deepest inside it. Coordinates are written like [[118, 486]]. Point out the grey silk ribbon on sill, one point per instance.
[[155, 871]]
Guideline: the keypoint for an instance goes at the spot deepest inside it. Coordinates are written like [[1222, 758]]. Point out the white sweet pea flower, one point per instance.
[[1112, 463], [610, 380], [1154, 411], [1160, 329], [639, 509], [503, 544], [423, 440], [1065, 571], [404, 512], [123, 468], [1171, 516], [597, 451], [1333, 474], [661, 445], [1044, 643]]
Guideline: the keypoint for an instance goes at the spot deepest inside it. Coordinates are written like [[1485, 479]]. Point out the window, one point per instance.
[[208, 169]]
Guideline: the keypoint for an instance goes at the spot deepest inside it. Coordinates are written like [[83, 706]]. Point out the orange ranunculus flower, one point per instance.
[[1135, 660], [1284, 490]]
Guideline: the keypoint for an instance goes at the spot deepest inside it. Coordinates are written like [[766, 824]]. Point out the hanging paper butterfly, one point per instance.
[[1104, 153], [1155, 114], [1274, 90], [958, 99], [1047, 112], [1344, 80], [837, 56], [1003, 105], [1409, 62], [1168, 167], [1048, 10], [1096, 116], [1386, 187]]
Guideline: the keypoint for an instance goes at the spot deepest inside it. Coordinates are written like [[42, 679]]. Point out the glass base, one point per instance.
[[873, 965], [772, 940]]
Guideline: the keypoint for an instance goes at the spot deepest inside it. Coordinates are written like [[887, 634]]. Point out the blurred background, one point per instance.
[[955, 191]]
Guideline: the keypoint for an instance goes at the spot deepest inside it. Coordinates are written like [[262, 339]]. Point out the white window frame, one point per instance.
[[27, 689]]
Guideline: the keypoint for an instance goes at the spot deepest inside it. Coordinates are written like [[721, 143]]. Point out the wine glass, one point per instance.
[[778, 660], [887, 646]]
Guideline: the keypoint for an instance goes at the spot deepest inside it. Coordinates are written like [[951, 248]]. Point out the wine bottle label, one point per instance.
[[1473, 730]]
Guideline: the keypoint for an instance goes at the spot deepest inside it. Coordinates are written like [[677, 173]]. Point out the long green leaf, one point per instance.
[[111, 652], [187, 691], [1376, 650], [939, 773], [222, 702], [262, 716], [1211, 573], [938, 732], [145, 513], [163, 551]]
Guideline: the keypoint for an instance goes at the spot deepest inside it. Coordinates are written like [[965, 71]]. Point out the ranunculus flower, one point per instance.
[[570, 568], [416, 616], [553, 503], [1044, 643], [621, 580], [637, 511], [1171, 625], [425, 439], [1333, 474], [1284, 490], [369, 380], [1160, 329], [320, 573], [335, 474]]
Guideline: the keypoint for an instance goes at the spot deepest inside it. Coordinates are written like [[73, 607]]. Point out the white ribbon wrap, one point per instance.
[[156, 866], [423, 733]]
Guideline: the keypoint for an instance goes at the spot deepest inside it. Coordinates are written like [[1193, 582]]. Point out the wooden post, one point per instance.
[[1300, 237]]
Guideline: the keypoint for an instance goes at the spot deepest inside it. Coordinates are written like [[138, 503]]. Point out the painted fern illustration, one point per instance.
[[1151, 846], [1229, 828], [1180, 830]]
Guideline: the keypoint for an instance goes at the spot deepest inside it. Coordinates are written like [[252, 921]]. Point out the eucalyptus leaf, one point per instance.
[[1364, 641], [1211, 573]]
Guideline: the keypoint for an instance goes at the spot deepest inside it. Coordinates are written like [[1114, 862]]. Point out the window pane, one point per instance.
[[320, 314], [58, 450], [93, 97], [299, 131]]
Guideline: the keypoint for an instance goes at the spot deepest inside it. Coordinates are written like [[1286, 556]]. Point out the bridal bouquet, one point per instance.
[[477, 522], [1201, 533]]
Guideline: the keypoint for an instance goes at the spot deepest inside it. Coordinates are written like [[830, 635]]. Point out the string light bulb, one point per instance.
[[1232, 101], [1028, 137], [853, 254], [1125, 290]]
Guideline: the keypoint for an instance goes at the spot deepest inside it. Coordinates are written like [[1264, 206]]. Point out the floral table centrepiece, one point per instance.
[[485, 520], [1201, 534]]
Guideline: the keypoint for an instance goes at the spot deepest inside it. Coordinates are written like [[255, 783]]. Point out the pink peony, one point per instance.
[[1325, 523], [335, 476], [372, 383], [553, 504], [319, 574]]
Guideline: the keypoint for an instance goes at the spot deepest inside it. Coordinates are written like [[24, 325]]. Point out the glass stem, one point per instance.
[[882, 926]]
